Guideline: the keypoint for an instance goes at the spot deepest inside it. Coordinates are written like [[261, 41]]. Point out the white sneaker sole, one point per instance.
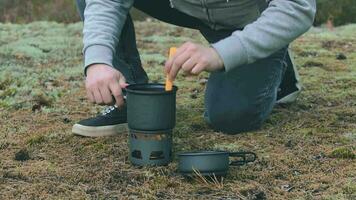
[[101, 131]]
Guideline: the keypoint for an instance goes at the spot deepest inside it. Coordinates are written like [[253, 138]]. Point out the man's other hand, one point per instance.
[[193, 59], [103, 83]]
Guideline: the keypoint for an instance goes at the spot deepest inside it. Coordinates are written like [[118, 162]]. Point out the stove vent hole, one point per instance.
[[157, 155], [136, 154]]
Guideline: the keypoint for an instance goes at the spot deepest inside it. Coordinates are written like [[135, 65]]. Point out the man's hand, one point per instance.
[[193, 59], [104, 82]]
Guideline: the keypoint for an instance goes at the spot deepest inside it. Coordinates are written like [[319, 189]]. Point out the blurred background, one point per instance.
[[339, 12], [24, 11]]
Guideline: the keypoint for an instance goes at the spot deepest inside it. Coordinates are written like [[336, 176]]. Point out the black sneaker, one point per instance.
[[111, 121]]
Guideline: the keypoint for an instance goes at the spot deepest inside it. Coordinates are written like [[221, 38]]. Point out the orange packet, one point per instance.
[[169, 83]]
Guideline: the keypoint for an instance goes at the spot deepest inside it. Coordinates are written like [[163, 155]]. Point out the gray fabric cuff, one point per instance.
[[97, 54], [232, 52]]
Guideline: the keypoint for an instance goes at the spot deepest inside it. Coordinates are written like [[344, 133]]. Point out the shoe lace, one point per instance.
[[109, 109]]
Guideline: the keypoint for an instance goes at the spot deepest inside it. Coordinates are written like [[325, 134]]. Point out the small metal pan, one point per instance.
[[210, 163]]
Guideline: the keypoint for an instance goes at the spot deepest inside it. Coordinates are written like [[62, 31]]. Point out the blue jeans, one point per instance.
[[237, 101]]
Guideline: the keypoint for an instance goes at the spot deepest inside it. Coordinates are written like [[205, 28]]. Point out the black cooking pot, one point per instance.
[[150, 107], [209, 163]]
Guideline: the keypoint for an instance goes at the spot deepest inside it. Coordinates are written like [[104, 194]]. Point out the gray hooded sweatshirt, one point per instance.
[[267, 26]]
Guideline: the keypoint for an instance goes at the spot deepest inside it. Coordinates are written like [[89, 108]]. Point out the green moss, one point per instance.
[[349, 188], [5, 81], [343, 152], [37, 139], [153, 58], [98, 146], [7, 93]]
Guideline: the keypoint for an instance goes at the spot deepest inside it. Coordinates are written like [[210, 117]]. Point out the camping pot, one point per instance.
[[150, 107], [210, 163], [150, 147]]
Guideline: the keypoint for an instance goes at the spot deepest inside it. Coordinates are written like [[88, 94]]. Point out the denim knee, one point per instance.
[[235, 121]]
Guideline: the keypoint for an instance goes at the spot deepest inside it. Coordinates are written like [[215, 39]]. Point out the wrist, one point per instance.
[[219, 61], [97, 54], [95, 67]]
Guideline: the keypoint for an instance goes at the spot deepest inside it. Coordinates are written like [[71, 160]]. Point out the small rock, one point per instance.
[[341, 56], [22, 155], [287, 187], [289, 144], [319, 156], [296, 172], [193, 96], [260, 195], [36, 107], [203, 81], [66, 120], [254, 194]]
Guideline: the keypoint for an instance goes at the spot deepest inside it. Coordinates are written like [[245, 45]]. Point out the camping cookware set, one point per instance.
[[151, 120], [151, 117]]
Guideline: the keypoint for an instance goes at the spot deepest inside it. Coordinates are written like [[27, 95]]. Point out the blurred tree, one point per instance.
[[21, 11], [338, 11]]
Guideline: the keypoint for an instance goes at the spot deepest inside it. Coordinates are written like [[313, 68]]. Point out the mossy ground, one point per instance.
[[305, 150]]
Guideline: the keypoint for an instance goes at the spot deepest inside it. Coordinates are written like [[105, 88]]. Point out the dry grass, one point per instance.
[[306, 149]]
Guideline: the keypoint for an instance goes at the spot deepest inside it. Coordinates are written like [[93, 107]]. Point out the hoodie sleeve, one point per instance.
[[279, 24], [103, 22]]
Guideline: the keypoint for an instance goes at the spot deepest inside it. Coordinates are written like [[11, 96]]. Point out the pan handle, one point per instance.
[[245, 156]]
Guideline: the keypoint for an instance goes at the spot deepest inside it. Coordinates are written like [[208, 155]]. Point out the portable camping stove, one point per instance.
[[150, 147]]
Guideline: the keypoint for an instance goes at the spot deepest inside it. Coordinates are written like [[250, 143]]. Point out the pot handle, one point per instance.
[[245, 155]]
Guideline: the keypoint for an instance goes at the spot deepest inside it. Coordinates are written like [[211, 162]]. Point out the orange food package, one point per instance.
[[169, 83]]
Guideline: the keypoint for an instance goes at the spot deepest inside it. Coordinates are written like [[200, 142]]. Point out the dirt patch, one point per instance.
[[347, 46], [313, 64]]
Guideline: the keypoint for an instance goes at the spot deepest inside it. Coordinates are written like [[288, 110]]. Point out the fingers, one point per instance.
[[116, 89], [122, 82], [90, 96], [117, 93], [106, 95], [185, 58], [171, 60], [102, 83], [189, 65], [97, 96], [178, 63], [198, 69]]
